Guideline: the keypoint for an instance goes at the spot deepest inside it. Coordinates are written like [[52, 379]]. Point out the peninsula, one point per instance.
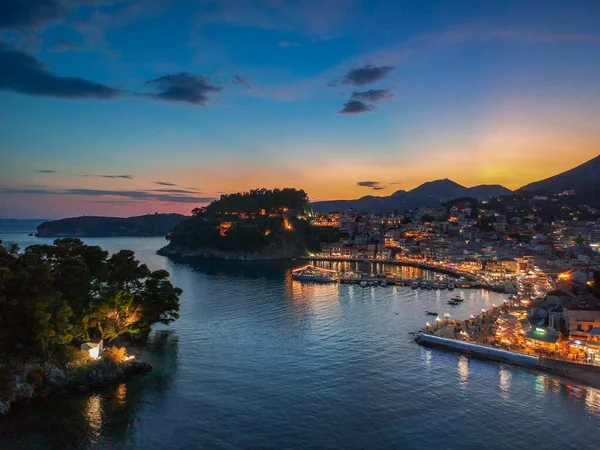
[[259, 224], [93, 226]]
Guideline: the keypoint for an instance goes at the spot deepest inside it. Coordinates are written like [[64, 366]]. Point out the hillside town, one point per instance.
[[550, 261]]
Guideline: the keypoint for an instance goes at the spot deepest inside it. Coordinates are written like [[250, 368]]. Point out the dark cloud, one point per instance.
[[45, 171], [375, 185], [133, 195], [124, 177], [28, 14], [372, 95], [242, 81], [164, 183], [62, 45], [183, 87], [355, 107], [25, 74], [364, 75], [175, 191]]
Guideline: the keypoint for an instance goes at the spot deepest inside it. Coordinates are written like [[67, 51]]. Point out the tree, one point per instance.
[[116, 315]]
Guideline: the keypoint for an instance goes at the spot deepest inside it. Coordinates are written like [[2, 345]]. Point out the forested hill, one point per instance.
[[259, 224], [93, 226]]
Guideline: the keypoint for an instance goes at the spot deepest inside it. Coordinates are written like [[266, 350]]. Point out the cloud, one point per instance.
[[34, 14], [372, 95], [364, 75], [164, 183], [289, 44], [25, 74], [375, 185], [62, 45], [45, 171], [133, 195], [124, 177], [355, 107], [241, 80], [183, 87], [175, 191]]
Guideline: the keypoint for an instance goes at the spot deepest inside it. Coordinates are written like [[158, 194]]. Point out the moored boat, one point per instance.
[[414, 285], [435, 285], [450, 287], [315, 274], [431, 313], [363, 283]]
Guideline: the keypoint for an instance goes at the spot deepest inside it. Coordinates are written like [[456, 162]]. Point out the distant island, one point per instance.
[[95, 226], [259, 224]]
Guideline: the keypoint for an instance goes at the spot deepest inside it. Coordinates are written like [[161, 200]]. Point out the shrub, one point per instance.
[[6, 380], [35, 377], [115, 355]]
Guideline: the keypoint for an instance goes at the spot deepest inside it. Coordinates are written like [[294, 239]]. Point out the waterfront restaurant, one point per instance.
[[542, 339]]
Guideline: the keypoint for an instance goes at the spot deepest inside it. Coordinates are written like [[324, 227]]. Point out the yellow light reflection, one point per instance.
[[463, 371]]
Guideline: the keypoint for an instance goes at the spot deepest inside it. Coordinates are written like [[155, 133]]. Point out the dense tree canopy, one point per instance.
[[53, 295]]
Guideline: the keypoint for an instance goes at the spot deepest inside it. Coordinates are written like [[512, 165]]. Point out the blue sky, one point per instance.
[[220, 96]]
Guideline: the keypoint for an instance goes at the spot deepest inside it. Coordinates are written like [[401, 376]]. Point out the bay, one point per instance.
[[258, 360]]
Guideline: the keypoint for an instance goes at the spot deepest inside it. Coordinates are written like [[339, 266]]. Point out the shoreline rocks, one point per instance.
[[49, 379]]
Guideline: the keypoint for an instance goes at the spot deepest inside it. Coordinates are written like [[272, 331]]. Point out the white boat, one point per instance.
[[315, 274]]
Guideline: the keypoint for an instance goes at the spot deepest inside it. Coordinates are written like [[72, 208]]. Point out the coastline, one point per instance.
[[584, 374], [54, 380]]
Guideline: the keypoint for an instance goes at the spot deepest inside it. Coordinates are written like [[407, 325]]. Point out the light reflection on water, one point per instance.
[[258, 359]]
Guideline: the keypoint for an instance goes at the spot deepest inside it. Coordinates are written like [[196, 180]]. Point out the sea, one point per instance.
[[258, 360]]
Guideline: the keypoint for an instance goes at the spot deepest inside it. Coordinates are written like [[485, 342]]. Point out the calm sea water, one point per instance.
[[258, 360]]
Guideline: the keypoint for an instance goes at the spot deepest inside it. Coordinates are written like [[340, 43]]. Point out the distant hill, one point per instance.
[[583, 178], [432, 193], [91, 226]]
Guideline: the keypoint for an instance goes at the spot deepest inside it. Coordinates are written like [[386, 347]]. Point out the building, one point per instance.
[[94, 348], [583, 316]]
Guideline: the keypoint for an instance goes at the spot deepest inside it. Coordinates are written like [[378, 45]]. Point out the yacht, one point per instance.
[[315, 274]]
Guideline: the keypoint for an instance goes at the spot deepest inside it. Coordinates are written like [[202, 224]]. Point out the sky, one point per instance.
[[127, 107]]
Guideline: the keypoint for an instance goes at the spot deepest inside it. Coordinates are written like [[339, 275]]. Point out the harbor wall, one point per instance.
[[587, 374], [481, 351]]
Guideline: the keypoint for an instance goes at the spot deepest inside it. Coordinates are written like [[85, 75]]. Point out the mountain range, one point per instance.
[[432, 193], [584, 179]]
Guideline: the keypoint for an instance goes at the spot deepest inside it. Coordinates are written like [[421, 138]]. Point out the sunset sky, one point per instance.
[[125, 107]]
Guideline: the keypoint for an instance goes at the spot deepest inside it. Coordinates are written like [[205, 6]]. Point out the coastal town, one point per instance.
[[550, 268]]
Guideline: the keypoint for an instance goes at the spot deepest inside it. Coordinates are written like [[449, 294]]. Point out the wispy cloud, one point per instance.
[[375, 185], [134, 195], [165, 183], [45, 171], [241, 81], [289, 44], [62, 45], [124, 177], [372, 95]]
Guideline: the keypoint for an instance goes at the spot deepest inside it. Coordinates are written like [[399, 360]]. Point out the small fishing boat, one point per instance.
[[383, 283], [443, 285], [456, 298], [423, 285], [450, 287], [435, 285], [453, 302], [414, 285], [431, 313], [363, 283], [428, 287]]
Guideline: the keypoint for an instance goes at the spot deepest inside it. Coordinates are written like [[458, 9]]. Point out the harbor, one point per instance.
[[311, 273]]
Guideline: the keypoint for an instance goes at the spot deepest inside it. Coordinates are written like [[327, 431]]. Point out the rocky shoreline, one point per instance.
[[33, 380]]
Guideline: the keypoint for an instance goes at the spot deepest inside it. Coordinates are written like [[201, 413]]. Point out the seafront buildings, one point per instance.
[[551, 267]]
